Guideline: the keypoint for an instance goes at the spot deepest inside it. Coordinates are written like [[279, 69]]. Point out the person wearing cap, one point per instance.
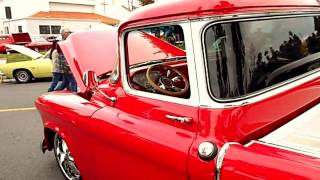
[[65, 32], [68, 80]]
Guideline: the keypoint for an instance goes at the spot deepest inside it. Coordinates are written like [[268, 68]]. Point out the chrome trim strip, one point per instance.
[[194, 96], [252, 15], [285, 148], [183, 120], [151, 24], [220, 158], [250, 143]]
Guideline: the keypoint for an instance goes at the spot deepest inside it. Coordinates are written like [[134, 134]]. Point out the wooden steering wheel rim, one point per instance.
[[166, 92]]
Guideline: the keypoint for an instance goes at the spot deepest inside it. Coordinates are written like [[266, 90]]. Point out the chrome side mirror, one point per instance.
[[90, 80]]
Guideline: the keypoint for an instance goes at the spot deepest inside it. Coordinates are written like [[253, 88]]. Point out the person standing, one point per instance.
[[68, 80], [57, 69]]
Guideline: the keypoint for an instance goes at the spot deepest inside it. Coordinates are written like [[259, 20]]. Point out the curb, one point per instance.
[[6, 80], [2, 78]]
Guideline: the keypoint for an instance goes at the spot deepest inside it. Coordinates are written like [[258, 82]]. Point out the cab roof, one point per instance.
[[200, 7]]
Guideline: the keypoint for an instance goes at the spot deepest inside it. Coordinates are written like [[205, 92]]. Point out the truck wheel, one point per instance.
[[64, 159]]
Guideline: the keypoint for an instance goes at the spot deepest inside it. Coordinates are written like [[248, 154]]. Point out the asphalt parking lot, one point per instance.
[[21, 133]]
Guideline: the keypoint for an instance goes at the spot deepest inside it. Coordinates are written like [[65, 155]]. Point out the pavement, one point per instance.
[[21, 132]]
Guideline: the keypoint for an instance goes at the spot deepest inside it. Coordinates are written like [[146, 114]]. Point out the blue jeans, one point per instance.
[[68, 82], [55, 79]]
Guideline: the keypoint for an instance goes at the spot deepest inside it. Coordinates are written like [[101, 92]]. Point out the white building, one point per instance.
[[118, 9], [47, 17]]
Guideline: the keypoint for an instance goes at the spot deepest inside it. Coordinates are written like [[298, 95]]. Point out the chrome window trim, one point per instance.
[[220, 158], [282, 148], [240, 19], [148, 24], [245, 15], [194, 96], [207, 100]]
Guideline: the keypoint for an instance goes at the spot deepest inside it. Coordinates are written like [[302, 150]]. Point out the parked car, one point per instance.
[[23, 39], [236, 98], [4, 40], [24, 71], [39, 44]]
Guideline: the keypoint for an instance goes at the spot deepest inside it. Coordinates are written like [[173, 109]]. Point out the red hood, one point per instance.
[[147, 47], [90, 50]]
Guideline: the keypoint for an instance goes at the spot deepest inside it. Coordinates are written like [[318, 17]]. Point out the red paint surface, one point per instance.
[[127, 138], [248, 122], [259, 161], [184, 9], [137, 137], [132, 139]]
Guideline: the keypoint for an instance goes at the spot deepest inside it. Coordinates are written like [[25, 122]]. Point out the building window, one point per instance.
[[6, 30], [20, 29], [44, 29], [8, 12], [55, 29]]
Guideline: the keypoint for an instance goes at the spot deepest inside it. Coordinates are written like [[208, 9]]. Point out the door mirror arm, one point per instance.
[[90, 80]]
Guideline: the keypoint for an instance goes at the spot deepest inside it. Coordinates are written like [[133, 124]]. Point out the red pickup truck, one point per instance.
[[23, 39]]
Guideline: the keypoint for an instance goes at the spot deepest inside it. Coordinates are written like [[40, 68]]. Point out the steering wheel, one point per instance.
[[167, 80]]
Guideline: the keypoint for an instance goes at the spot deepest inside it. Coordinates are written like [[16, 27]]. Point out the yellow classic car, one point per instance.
[[39, 67]]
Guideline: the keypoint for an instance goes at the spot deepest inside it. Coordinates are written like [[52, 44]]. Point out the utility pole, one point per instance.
[[104, 7], [130, 5]]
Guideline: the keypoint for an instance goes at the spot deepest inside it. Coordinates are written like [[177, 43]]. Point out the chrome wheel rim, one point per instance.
[[65, 160], [23, 76]]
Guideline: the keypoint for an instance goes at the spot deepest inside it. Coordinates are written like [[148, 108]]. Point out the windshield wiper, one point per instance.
[[146, 63], [156, 61]]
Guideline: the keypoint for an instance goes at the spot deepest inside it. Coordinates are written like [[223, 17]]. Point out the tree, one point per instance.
[[145, 2]]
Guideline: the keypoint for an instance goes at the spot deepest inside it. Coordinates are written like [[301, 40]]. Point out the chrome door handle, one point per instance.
[[184, 120]]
